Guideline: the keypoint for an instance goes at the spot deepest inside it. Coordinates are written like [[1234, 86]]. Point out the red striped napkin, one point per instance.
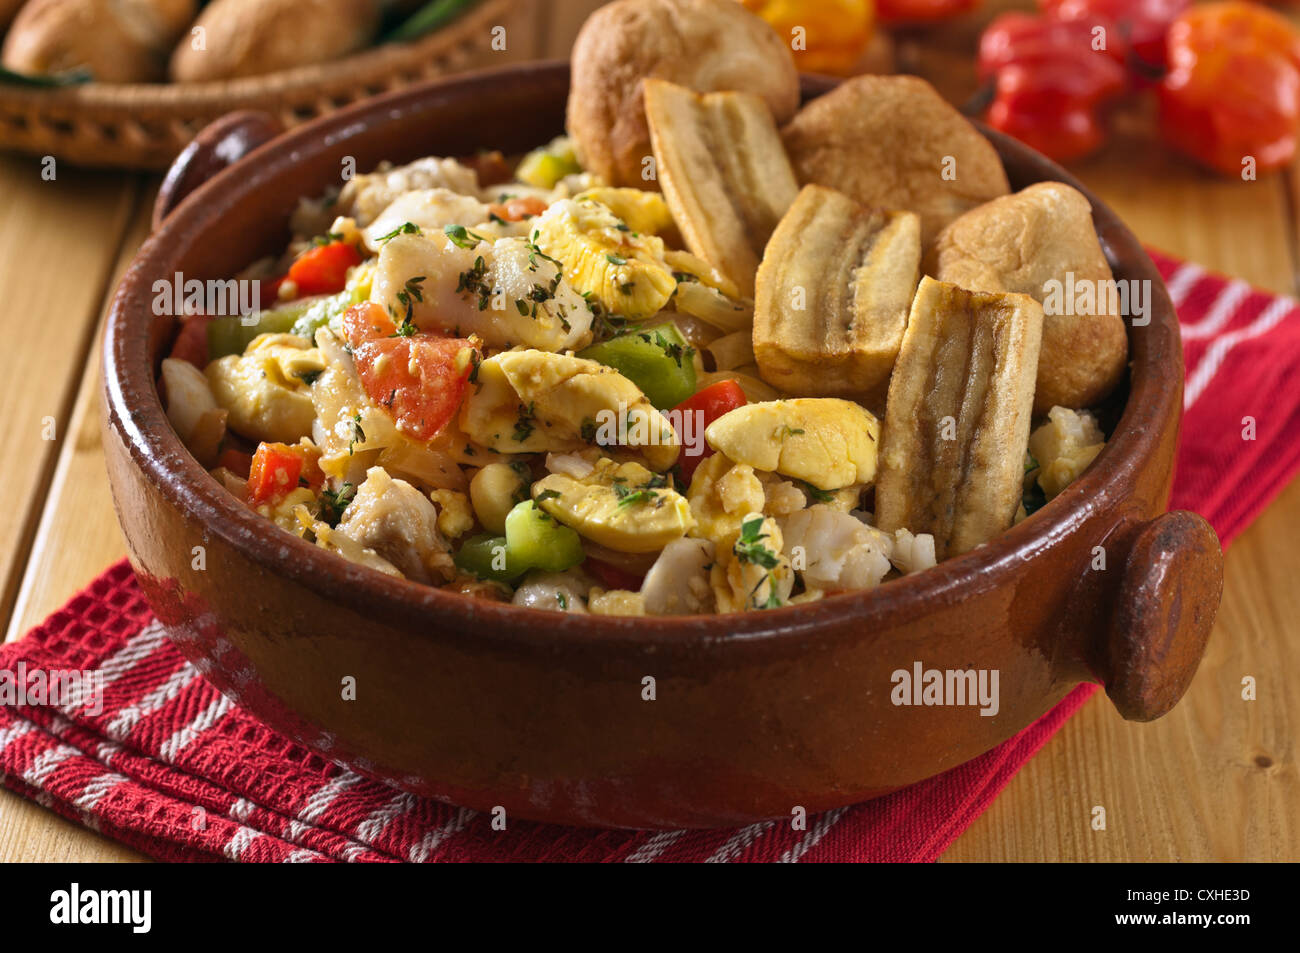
[[172, 768]]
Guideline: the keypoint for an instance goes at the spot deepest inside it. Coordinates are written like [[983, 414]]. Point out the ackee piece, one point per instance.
[[723, 171], [834, 289], [826, 442], [957, 426]]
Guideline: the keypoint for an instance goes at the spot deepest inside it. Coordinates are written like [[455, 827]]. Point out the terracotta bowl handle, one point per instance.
[[217, 145], [1169, 594]]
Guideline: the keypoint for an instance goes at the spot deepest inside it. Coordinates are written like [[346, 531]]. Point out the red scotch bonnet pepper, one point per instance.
[[1231, 99], [1051, 79]]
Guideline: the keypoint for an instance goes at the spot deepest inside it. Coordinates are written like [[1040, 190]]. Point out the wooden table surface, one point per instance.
[[1214, 780]]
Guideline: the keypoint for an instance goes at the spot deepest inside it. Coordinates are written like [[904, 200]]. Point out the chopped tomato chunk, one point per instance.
[[278, 469], [516, 210], [419, 378], [323, 269], [365, 322]]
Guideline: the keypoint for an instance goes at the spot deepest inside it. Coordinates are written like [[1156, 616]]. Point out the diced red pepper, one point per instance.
[[278, 469], [191, 342], [707, 405], [323, 269]]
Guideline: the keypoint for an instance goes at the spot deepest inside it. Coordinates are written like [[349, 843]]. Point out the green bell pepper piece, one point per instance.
[[533, 540], [482, 555], [231, 335], [537, 540], [544, 169], [658, 360]]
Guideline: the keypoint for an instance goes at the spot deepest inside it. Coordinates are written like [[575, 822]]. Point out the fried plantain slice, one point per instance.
[[724, 173], [834, 288], [957, 426]]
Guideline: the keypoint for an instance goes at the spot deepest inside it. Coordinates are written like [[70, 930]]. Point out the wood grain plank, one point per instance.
[[58, 242], [77, 537], [31, 834]]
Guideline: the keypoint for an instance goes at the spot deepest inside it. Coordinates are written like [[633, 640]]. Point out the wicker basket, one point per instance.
[[144, 126]]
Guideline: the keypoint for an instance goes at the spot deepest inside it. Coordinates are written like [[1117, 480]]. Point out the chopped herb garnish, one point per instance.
[[334, 502], [525, 424], [406, 228], [535, 252], [628, 497], [676, 351], [407, 297], [547, 495], [462, 237], [358, 435], [473, 282], [616, 259], [818, 494], [643, 494], [749, 547]]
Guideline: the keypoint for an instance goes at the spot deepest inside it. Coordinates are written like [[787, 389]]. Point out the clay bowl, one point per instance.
[[546, 715]]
